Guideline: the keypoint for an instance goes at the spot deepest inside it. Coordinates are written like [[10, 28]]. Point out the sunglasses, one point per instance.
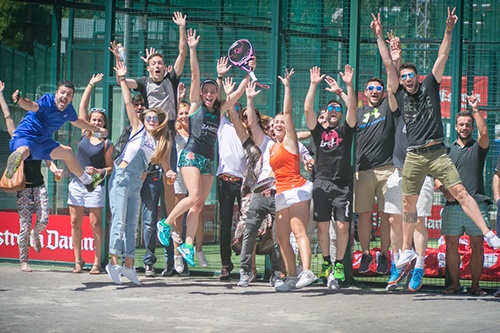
[[334, 107], [237, 108], [98, 110], [410, 75], [377, 88], [153, 118]]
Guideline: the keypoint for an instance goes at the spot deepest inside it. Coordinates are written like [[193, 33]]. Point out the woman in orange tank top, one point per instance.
[[293, 196]]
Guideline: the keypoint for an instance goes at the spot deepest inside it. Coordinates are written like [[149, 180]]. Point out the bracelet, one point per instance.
[[449, 29], [339, 92], [90, 84], [220, 77], [477, 111], [122, 78]]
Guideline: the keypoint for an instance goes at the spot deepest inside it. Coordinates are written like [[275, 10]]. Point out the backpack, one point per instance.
[[121, 142]]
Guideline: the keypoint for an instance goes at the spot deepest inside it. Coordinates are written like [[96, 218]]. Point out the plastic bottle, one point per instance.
[[121, 51]]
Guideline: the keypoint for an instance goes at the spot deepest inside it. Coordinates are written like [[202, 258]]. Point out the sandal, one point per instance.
[[79, 267], [25, 267], [452, 290], [95, 270], [478, 292]]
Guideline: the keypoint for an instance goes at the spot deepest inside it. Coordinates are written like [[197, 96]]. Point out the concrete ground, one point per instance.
[[52, 299]]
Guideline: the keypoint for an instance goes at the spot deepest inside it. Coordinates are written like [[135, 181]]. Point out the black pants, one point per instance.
[[228, 191]]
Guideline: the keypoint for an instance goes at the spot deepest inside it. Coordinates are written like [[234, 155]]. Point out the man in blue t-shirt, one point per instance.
[[33, 137]]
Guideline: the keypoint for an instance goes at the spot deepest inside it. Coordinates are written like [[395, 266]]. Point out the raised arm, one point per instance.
[[113, 48], [121, 72], [495, 184], [238, 125], [23, 102], [194, 90], [11, 127], [222, 69], [395, 50], [351, 96], [392, 74], [482, 129], [393, 103], [181, 92], [315, 78], [335, 89], [181, 58], [444, 49], [253, 122], [290, 141], [84, 103]]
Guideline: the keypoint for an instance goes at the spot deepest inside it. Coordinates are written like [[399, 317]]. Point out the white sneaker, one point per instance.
[[406, 257], [245, 278], [306, 278], [114, 272], [131, 274], [275, 279], [492, 239], [332, 283], [202, 260], [178, 264], [288, 285]]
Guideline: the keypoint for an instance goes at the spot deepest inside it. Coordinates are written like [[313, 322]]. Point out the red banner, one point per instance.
[[57, 243]]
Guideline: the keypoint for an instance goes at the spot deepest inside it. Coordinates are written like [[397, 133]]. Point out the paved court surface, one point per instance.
[[55, 300]]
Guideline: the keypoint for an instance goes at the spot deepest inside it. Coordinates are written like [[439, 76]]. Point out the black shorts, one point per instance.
[[328, 197]]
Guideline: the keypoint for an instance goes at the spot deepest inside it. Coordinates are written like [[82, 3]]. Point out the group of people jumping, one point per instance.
[[167, 155]]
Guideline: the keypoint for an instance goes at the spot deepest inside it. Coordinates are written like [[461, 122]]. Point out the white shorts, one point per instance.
[[179, 186], [79, 196], [293, 196], [394, 195]]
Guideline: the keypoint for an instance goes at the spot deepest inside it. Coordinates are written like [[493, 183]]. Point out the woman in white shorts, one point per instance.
[[94, 155], [293, 196]]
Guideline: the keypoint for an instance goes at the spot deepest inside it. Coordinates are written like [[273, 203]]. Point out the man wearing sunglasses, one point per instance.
[[374, 146], [420, 107]]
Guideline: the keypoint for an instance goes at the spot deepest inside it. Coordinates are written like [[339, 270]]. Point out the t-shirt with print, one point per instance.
[[422, 113], [333, 152], [44, 122], [162, 95], [374, 136]]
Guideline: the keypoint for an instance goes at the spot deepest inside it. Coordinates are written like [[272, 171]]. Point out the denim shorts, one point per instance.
[[205, 165]]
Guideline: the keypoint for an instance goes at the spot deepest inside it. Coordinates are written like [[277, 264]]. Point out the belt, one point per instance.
[[268, 193], [230, 178], [428, 149]]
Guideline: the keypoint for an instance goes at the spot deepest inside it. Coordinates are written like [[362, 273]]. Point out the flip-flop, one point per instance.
[[79, 267], [478, 292], [95, 270], [451, 290]]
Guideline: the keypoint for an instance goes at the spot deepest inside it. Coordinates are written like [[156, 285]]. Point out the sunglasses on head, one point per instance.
[[334, 107], [98, 110], [410, 75], [153, 118], [371, 88], [237, 108]]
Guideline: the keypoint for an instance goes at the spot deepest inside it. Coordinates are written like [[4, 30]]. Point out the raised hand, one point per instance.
[[192, 39], [473, 101], [149, 53], [2, 86], [286, 80], [179, 19], [376, 26], [96, 78], [334, 86], [252, 63], [229, 86], [16, 95], [347, 75], [120, 69], [114, 50], [222, 67], [181, 91], [251, 92], [451, 20], [394, 46], [315, 75]]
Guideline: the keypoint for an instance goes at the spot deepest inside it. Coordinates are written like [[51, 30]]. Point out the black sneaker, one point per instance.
[[169, 269], [383, 264], [96, 180], [149, 271], [366, 260]]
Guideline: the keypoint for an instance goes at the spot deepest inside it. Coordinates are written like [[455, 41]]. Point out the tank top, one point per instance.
[[203, 126], [286, 167], [89, 154]]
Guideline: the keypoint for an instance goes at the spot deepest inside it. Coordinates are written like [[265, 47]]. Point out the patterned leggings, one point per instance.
[[31, 201]]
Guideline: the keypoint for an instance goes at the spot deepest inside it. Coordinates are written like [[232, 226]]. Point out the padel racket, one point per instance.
[[239, 54]]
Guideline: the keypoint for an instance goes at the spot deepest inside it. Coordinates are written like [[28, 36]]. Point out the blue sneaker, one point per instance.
[[187, 252], [163, 232], [397, 274], [416, 279]]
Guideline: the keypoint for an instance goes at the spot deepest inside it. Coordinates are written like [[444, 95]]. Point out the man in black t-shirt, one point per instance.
[[332, 191], [374, 147], [420, 107], [469, 156]]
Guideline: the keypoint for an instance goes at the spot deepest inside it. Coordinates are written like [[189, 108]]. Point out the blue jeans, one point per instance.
[[151, 192], [228, 191], [124, 198]]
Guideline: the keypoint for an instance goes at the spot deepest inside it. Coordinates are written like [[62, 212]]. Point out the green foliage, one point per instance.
[[8, 11]]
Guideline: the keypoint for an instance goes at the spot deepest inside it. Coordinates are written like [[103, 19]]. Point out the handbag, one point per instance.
[[16, 183]]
